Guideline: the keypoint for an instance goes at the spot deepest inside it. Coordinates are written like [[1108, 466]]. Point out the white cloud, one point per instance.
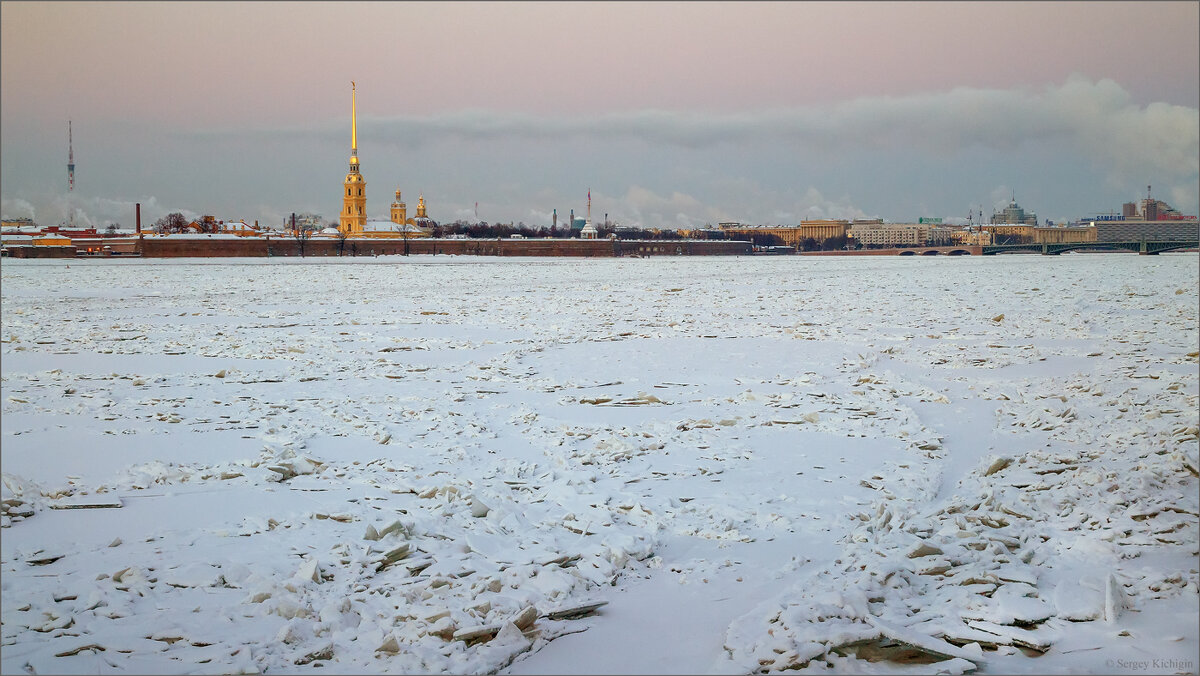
[[814, 205], [1001, 195], [1099, 116], [18, 208], [642, 207], [99, 212]]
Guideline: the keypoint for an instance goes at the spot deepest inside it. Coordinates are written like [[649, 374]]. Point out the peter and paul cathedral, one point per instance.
[[353, 221], [354, 200]]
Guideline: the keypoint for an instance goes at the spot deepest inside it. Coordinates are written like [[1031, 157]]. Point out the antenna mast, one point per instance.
[[70, 173]]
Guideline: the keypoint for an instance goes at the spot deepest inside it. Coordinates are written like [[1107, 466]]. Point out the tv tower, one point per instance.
[[70, 173]]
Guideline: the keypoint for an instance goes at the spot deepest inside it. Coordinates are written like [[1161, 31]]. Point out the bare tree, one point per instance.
[[209, 223], [301, 236], [172, 222]]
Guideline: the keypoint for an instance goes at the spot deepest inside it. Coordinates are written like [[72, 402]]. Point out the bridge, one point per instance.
[[1144, 247]]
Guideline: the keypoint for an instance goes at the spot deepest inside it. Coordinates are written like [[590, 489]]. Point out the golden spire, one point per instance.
[[353, 124]]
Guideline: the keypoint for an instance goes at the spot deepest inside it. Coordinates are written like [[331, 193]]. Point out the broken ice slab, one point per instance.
[[995, 464], [390, 645], [42, 558], [642, 399], [595, 400], [922, 548], [94, 647], [416, 566], [579, 610], [924, 643], [88, 502], [565, 560], [480, 632], [325, 654], [15, 507], [393, 556], [884, 649], [1012, 635], [525, 619], [962, 635]]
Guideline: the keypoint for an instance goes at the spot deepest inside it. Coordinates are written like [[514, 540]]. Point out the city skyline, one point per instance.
[[673, 114]]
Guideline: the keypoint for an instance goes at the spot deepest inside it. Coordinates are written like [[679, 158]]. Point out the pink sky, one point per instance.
[[217, 62]]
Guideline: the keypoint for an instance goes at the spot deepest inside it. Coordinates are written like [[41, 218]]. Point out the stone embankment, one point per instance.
[[222, 247]]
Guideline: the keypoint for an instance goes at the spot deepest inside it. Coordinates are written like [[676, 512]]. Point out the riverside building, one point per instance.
[[875, 234], [1148, 220], [818, 230]]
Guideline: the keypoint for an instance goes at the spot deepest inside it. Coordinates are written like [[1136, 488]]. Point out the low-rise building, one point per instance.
[[239, 228], [876, 233], [789, 235], [971, 237], [52, 240], [1064, 235], [889, 234], [390, 230], [1148, 220], [1122, 230], [1010, 233]]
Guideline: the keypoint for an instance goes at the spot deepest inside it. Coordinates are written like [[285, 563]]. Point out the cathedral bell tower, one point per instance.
[[399, 210], [354, 199]]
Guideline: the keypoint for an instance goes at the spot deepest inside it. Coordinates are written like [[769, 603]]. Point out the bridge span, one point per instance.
[[1143, 247], [1146, 248]]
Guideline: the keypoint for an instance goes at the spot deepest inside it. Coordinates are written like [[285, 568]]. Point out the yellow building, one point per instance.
[[51, 240], [1010, 234], [239, 228], [354, 199], [823, 229], [1064, 235], [400, 212], [790, 235], [971, 238]]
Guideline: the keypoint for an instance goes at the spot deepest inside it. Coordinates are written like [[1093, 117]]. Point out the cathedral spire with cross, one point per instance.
[[354, 199]]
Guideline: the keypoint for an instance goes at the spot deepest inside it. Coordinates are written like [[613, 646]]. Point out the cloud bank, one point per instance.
[[1097, 118]]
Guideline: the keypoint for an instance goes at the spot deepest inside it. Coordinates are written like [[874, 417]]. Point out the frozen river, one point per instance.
[[757, 464]]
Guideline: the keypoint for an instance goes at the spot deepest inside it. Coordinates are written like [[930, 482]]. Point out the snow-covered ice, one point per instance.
[[675, 465]]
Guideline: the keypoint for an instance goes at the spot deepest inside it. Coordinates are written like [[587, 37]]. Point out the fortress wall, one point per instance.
[[41, 251], [168, 247]]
